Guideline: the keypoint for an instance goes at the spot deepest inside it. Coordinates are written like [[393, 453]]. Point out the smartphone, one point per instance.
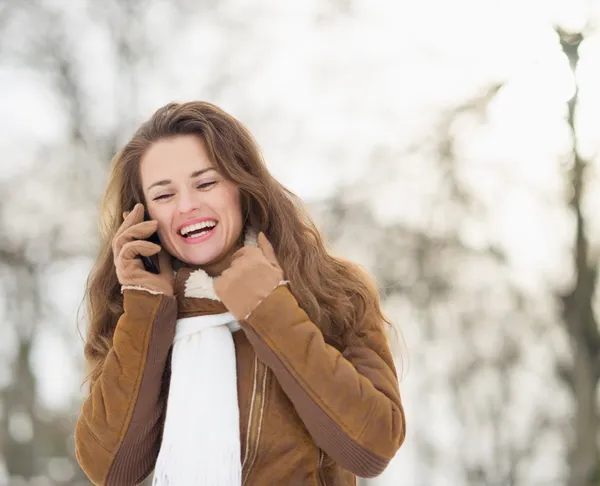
[[149, 264]]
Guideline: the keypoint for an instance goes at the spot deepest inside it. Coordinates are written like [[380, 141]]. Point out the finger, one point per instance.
[[217, 283], [164, 263], [246, 254], [136, 215], [140, 231], [221, 282], [135, 248], [265, 245], [240, 253]]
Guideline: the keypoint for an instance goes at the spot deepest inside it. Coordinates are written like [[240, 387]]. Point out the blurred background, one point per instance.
[[452, 148]]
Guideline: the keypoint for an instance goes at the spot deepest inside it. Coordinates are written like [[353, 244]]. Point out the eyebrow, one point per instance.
[[193, 175]]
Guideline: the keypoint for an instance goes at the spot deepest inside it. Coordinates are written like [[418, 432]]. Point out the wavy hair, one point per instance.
[[337, 295]]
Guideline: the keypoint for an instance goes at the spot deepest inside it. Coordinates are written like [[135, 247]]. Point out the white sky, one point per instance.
[[320, 97]]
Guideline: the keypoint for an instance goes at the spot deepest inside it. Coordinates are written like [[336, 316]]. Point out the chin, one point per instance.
[[199, 261], [203, 258]]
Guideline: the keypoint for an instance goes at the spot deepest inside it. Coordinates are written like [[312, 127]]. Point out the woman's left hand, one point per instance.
[[254, 273]]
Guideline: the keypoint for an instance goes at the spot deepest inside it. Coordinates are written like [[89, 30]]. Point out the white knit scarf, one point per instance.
[[201, 438]]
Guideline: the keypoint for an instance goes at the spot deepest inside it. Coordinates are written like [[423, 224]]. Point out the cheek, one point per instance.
[[230, 203], [236, 207], [163, 216]]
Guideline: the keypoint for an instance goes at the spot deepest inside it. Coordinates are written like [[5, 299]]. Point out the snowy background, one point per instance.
[[452, 148]]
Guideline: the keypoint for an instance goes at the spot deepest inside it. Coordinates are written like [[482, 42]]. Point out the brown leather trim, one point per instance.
[[137, 453], [326, 433], [250, 414], [257, 411], [192, 306]]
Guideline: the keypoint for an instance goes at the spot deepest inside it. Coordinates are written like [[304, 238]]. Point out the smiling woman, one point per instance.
[[252, 356], [198, 211]]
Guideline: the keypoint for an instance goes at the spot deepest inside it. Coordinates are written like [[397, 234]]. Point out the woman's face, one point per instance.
[[198, 212]]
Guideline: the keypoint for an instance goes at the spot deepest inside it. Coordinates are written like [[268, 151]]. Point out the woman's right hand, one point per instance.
[[129, 244]]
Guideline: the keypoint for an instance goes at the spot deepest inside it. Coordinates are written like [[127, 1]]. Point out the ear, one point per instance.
[[265, 246]]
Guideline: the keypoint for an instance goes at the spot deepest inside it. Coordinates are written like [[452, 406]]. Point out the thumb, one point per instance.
[[265, 246]]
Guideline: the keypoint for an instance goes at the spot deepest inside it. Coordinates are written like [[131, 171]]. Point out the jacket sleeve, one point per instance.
[[349, 402], [117, 435]]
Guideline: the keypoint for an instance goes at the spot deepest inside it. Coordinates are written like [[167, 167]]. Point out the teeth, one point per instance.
[[198, 226]]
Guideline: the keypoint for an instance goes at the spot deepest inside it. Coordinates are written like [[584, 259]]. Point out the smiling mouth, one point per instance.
[[197, 230]]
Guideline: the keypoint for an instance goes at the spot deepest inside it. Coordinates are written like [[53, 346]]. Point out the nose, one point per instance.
[[188, 202]]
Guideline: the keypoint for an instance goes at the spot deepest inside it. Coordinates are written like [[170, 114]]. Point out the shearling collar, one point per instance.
[[195, 288]]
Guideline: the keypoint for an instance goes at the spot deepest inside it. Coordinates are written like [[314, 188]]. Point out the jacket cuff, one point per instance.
[[139, 287], [283, 283]]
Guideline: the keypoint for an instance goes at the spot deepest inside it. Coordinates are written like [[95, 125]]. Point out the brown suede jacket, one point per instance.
[[309, 414]]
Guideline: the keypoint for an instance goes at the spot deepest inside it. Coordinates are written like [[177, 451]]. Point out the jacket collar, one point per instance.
[[195, 288]]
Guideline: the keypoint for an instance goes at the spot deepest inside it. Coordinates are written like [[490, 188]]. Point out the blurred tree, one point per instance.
[[582, 373], [429, 268], [452, 288], [422, 269], [45, 38]]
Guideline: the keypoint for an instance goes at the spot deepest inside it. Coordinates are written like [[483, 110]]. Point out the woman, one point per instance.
[[259, 360]]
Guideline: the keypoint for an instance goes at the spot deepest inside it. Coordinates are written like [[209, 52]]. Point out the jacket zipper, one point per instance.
[[257, 408], [320, 468]]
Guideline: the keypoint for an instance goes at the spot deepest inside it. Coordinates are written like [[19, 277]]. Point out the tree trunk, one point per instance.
[[19, 399], [578, 313], [583, 457]]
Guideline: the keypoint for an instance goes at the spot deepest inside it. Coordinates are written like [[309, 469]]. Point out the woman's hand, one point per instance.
[[254, 273], [129, 244]]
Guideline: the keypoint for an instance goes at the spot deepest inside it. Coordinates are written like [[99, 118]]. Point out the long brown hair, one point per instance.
[[336, 294]]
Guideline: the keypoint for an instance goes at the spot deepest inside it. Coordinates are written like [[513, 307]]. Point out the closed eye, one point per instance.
[[206, 185], [162, 196]]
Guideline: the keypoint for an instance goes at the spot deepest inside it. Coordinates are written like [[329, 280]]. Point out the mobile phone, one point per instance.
[[149, 264]]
